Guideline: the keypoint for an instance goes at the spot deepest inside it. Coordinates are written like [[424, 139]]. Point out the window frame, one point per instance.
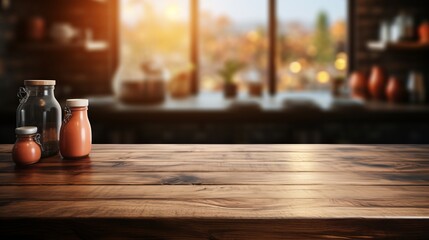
[[272, 35]]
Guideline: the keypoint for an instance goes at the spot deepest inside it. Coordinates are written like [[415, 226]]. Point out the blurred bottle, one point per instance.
[[402, 28], [424, 32], [384, 35], [36, 28], [395, 91], [358, 85], [416, 87]]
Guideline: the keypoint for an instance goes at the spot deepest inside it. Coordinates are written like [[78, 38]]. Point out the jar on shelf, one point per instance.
[[424, 32], [38, 107], [143, 85], [27, 149], [254, 82], [402, 28]]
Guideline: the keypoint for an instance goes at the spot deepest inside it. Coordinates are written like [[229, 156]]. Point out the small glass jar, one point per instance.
[[27, 149], [75, 135], [38, 107]]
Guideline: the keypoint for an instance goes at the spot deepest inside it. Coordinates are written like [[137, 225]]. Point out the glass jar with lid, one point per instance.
[[38, 107]]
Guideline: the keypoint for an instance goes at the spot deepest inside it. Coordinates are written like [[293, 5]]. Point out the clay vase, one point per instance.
[[230, 90], [36, 28], [424, 32], [377, 84], [358, 85], [395, 91]]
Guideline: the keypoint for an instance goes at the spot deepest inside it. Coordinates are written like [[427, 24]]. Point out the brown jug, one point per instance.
[[27, 146], [75, 134], [395, 91], [358, 85], [377, 83], [424, 32]]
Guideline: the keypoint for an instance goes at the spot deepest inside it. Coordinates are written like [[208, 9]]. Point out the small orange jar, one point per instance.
[[75, 133], [27, 149]]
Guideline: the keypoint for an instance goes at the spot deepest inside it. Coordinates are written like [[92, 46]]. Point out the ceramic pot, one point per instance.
[[180, 86], [395, 91], [36, 28], [336, 86], [358, 85], [377, 83], [424, 32], [230, 90], [255, 89]]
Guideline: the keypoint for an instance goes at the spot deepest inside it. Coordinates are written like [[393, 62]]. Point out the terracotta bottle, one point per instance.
[[424, 32], [394, 90], [377, 83], [27, 146], [75, 134], [358, 85]]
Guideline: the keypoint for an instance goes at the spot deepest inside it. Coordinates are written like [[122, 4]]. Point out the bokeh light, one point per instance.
[[323, 77], [295, 67]]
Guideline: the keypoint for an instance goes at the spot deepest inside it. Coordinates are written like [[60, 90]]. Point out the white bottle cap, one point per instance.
[[26, 130], [77, 102]]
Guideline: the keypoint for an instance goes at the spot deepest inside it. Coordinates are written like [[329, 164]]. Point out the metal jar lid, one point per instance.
[[26, 130], [39, 82]]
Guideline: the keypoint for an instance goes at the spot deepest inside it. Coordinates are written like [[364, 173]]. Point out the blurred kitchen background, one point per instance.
[[225, 71]]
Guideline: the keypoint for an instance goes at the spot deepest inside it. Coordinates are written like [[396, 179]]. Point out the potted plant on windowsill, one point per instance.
[[230, 68]]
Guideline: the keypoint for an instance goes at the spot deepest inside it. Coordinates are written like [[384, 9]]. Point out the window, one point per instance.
[[154, 30], [309, 47], [227, 33]]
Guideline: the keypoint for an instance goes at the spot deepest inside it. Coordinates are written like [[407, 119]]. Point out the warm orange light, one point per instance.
[[295, 67], [253, 36], [323, 77], [210, 83]]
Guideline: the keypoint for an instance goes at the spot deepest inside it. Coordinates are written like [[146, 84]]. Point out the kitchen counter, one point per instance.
[[293, 117], [220, 192], [312, 107], [284, 107]]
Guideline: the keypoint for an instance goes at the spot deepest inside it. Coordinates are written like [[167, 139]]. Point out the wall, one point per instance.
[[78, 71]]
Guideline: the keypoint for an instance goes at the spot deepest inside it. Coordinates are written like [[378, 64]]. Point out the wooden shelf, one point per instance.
[[94, 46], [399, 46]]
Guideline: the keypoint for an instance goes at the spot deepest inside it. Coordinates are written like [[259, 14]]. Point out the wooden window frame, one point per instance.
[[272, 35]]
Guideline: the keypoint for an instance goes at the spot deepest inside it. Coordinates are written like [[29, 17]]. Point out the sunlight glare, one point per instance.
[[172, 12]]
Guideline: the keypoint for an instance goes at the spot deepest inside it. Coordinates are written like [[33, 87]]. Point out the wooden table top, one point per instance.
[[220, 192]]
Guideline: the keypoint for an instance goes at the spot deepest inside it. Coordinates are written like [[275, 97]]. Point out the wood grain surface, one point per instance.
[[220, 192]]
